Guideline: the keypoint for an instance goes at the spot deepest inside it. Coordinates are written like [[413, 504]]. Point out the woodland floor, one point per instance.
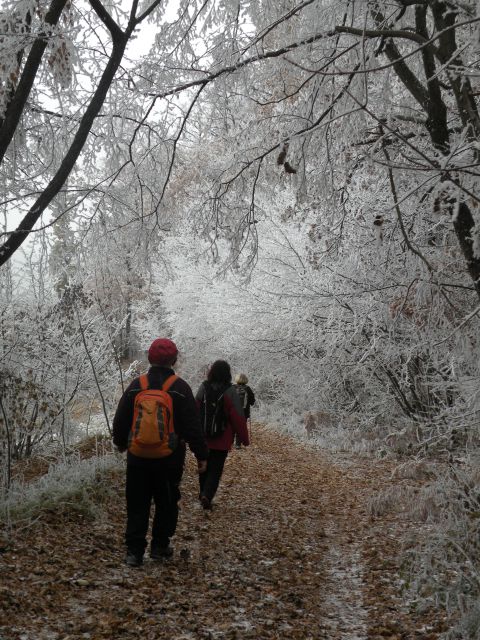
[[289, 551]]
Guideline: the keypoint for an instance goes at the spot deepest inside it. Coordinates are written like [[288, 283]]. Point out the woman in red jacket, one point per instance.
[[222, 418]]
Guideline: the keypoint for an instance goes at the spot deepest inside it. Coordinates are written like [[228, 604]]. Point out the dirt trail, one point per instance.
[[289, 551]]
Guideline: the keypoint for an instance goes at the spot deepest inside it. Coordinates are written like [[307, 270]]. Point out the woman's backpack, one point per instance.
[[212, 410], [241, 390]]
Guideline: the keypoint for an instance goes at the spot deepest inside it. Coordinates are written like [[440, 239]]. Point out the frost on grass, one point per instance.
[[446, 565], [68, 484]]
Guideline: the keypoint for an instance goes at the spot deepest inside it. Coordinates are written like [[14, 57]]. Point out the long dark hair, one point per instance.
[[220, 372]]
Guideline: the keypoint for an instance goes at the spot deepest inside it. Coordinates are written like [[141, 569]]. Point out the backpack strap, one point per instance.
[[168, 382], [143, 382]]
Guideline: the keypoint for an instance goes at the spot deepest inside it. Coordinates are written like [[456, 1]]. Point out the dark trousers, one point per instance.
[[238, 442], [145, 483], [210, 479]]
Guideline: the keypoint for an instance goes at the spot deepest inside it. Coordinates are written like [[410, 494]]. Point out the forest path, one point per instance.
[[288, 551]]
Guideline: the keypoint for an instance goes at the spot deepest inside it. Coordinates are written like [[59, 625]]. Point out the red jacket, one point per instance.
[[236, 422]]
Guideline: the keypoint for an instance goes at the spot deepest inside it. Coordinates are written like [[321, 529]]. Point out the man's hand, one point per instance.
[[201, 466]]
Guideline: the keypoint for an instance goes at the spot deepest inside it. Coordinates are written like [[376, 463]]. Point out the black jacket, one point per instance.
[[185, 417]]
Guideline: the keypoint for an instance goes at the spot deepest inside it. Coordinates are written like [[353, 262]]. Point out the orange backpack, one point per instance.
[[152, 434]]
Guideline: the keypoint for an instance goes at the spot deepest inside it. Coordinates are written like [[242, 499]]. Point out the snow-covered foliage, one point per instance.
[[446, 567], [58, 365], [326, 339], [67, 484]]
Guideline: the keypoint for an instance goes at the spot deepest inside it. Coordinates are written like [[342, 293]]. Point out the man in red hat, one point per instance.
[[155, 417]]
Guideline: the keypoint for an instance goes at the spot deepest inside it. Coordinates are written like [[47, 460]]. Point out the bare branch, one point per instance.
[[384, 33], [17, 103], [107, 19], [148, 11]]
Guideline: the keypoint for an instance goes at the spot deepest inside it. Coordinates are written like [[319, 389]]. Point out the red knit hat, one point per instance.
[[162, 351]]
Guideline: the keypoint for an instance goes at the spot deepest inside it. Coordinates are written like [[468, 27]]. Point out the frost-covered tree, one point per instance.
[[54, 84], [58, 368]]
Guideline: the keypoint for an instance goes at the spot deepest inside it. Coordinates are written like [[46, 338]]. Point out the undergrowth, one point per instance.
[[74, 486], [445, 568]]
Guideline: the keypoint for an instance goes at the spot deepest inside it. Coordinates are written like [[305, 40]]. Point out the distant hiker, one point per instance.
[[222, 417], [247, 399], [155, 417]]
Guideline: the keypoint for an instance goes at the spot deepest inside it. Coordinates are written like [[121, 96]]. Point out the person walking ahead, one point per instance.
[[155, 417], [247, 399], [222, 417]]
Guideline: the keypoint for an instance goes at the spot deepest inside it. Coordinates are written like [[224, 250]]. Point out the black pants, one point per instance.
[[145, 483], [210, 479]]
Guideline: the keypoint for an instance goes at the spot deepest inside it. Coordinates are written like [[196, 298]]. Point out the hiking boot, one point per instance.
[[160, 553], [133, 559], [205, 502]]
